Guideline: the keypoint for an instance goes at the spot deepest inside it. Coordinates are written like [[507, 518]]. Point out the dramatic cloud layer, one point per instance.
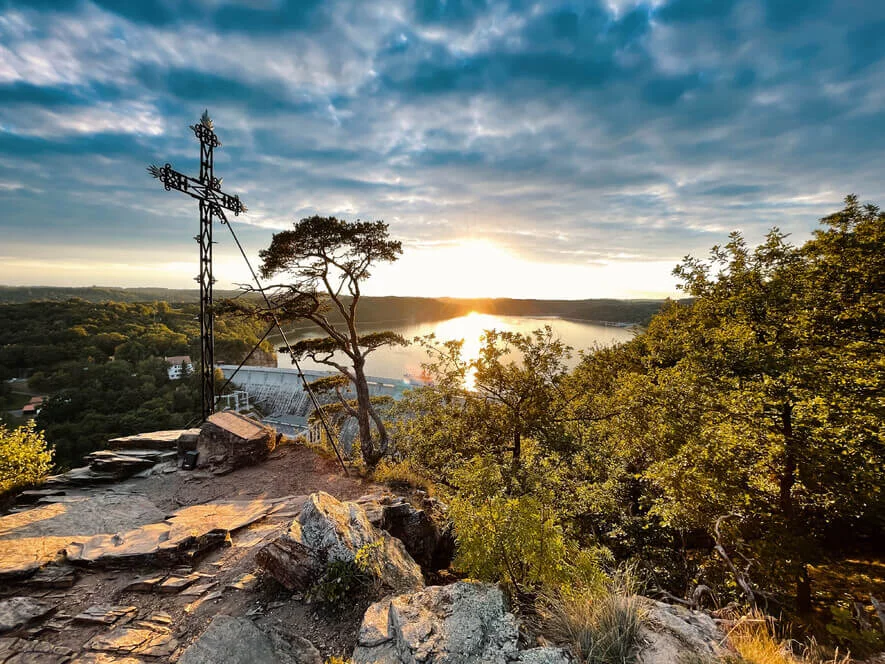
[[608, 138]]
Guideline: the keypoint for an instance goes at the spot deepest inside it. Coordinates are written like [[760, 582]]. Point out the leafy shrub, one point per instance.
[[25, 459], [345, 578], [845, 632], [514, 539], [401, 474], [342, 580], [600, 623], [500, 537]]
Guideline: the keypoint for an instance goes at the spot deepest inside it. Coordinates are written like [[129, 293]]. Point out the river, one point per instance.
[[398, 362]]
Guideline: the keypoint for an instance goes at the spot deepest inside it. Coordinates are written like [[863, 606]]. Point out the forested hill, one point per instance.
[[22, 294], [373, 309]]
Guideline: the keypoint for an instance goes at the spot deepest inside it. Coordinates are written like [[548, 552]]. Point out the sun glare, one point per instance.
[[476, 268], [470, 328]]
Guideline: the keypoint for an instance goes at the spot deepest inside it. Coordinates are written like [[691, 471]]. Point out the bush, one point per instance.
[[512, 539], [343, 579], [25, 459], [401, 474], [600, 623]]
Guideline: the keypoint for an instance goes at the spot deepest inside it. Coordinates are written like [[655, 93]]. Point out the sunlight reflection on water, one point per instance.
[[396, 362]]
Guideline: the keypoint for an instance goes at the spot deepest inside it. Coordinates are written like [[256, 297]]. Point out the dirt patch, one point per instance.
[[289, 470]]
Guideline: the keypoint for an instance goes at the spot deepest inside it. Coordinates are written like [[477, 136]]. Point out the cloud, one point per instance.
[[634, 131]]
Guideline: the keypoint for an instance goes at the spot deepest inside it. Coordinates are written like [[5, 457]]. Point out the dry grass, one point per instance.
[[600, 625], [755, 639]]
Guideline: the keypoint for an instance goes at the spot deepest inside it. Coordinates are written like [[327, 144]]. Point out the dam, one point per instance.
[[279, 393]]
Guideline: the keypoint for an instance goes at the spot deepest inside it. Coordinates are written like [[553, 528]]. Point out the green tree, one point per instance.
[[327, 261], [509, 397], [750, 415]]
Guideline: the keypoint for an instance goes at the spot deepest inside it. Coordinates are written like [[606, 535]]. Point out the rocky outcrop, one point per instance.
[[672, 632], [33, 538], [22, 651], [240, 641], [329, 530], [229, 440], [425, 532], [107, 466], [465, 623]]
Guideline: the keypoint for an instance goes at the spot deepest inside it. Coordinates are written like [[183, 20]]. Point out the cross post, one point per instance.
[[207, 190]]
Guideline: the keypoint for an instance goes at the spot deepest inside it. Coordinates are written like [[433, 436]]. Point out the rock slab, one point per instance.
[[172, 439], [329, 530], [188, 533], [16, 612], [463, 623], [23, 651], [240, 641]]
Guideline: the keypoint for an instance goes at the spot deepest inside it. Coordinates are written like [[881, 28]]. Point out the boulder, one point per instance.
[[425, 532], [672, 632], [229, 440], [464, 623], [240, 641], [329, 530]]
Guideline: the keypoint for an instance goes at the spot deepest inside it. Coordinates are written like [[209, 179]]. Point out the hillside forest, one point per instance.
[[731, 451], [102, 367]]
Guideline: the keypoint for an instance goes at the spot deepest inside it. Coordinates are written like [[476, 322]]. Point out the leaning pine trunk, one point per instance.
[[367, 446]]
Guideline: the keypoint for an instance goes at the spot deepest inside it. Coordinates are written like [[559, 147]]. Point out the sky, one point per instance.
[[519, 149]]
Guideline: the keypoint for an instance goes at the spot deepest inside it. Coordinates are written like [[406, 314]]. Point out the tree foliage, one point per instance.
[[25, 458], [732, 443], [326, 261], [102, 368]]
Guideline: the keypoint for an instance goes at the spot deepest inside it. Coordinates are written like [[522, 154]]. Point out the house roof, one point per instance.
[[178, 359]]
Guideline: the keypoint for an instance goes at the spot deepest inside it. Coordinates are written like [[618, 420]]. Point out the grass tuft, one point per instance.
[[755, 640], [600, 624]]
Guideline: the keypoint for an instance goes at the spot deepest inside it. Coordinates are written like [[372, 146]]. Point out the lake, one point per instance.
[[397, 362]]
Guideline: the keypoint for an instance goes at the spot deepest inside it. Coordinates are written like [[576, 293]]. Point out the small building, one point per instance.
[[179, 366], [32, 408]]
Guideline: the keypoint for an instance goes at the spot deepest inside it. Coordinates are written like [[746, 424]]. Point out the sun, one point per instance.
[[470, 268]]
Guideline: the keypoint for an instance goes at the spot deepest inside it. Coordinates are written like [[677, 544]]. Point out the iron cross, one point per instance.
[[213, 202]]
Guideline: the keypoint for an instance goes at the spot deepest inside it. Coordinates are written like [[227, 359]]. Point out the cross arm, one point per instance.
[[194, 188]]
